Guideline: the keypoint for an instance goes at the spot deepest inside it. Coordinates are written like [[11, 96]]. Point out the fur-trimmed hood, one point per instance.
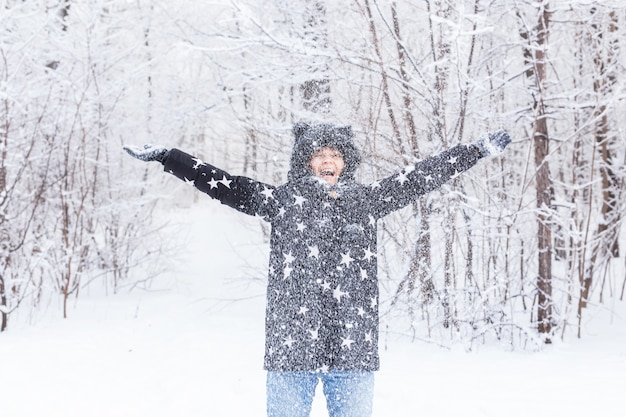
[[310, 138]]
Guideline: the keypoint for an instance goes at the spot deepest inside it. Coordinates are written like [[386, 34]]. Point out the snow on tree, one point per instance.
[[513, 251]]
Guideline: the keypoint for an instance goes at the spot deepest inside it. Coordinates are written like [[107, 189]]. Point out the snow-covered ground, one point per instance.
[[192, 345]]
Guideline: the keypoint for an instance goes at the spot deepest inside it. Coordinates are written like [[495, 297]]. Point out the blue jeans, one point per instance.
[[348, 393]]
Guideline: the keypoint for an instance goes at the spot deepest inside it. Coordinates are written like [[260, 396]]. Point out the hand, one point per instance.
[[493, 143], [148, 152]]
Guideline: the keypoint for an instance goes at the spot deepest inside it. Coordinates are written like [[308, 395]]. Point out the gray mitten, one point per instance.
[[493, 143], [148, 152]]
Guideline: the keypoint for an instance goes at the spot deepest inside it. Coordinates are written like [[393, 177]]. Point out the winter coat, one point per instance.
[[322, 290]]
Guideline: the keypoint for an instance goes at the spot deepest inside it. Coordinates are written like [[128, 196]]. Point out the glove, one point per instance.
[[148, 152], [493, 143]]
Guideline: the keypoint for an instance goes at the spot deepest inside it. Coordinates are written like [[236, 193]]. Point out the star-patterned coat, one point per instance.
[[322, 290]]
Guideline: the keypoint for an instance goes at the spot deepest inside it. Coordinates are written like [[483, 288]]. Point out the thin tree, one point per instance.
[[536, 58]]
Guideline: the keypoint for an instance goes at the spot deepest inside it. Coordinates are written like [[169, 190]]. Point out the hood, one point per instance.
[[310, 138]]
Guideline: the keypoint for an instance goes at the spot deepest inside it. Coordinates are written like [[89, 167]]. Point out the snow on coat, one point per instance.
[[322, 291]]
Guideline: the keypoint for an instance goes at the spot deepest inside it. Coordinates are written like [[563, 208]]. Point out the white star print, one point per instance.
[[289, 258], [300, 226], [361, 311], [375, 184], [346, 342], [372, 221], [428, 178], [368, 254], [346, 259], [287, 271], [374, 303], [289, 341], [188, 181], [267, 192], [401, 178], [452, 160], [303, 310], [299, 201], [314, 252], [337, 293], [324, 368], [368, 337], [197, 163], [281, 212], [363, 274], [225, 181], [325, 285], [213, 183], [315, 333]]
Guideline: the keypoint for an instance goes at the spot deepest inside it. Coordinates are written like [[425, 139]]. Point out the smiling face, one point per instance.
[[327, 164]]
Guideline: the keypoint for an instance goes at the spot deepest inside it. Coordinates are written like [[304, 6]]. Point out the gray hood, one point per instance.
[[310, 138]]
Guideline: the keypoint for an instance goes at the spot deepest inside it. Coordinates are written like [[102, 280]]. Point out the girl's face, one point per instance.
[[327, 164]]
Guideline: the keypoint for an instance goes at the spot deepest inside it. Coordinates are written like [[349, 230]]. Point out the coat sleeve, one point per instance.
[[238, 192], [406, 186]]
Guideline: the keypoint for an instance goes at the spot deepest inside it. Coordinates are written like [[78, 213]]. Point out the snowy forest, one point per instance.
[[518, 250]]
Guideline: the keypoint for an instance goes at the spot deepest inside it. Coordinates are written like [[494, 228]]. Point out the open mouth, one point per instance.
[[327, 173]]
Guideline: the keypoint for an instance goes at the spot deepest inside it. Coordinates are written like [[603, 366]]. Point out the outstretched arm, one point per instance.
[[430, 174], [238, 192]]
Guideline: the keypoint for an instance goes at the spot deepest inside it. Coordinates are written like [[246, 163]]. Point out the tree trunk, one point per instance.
[[536, 58], [606, 238], [420, 265], [315, 93]]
